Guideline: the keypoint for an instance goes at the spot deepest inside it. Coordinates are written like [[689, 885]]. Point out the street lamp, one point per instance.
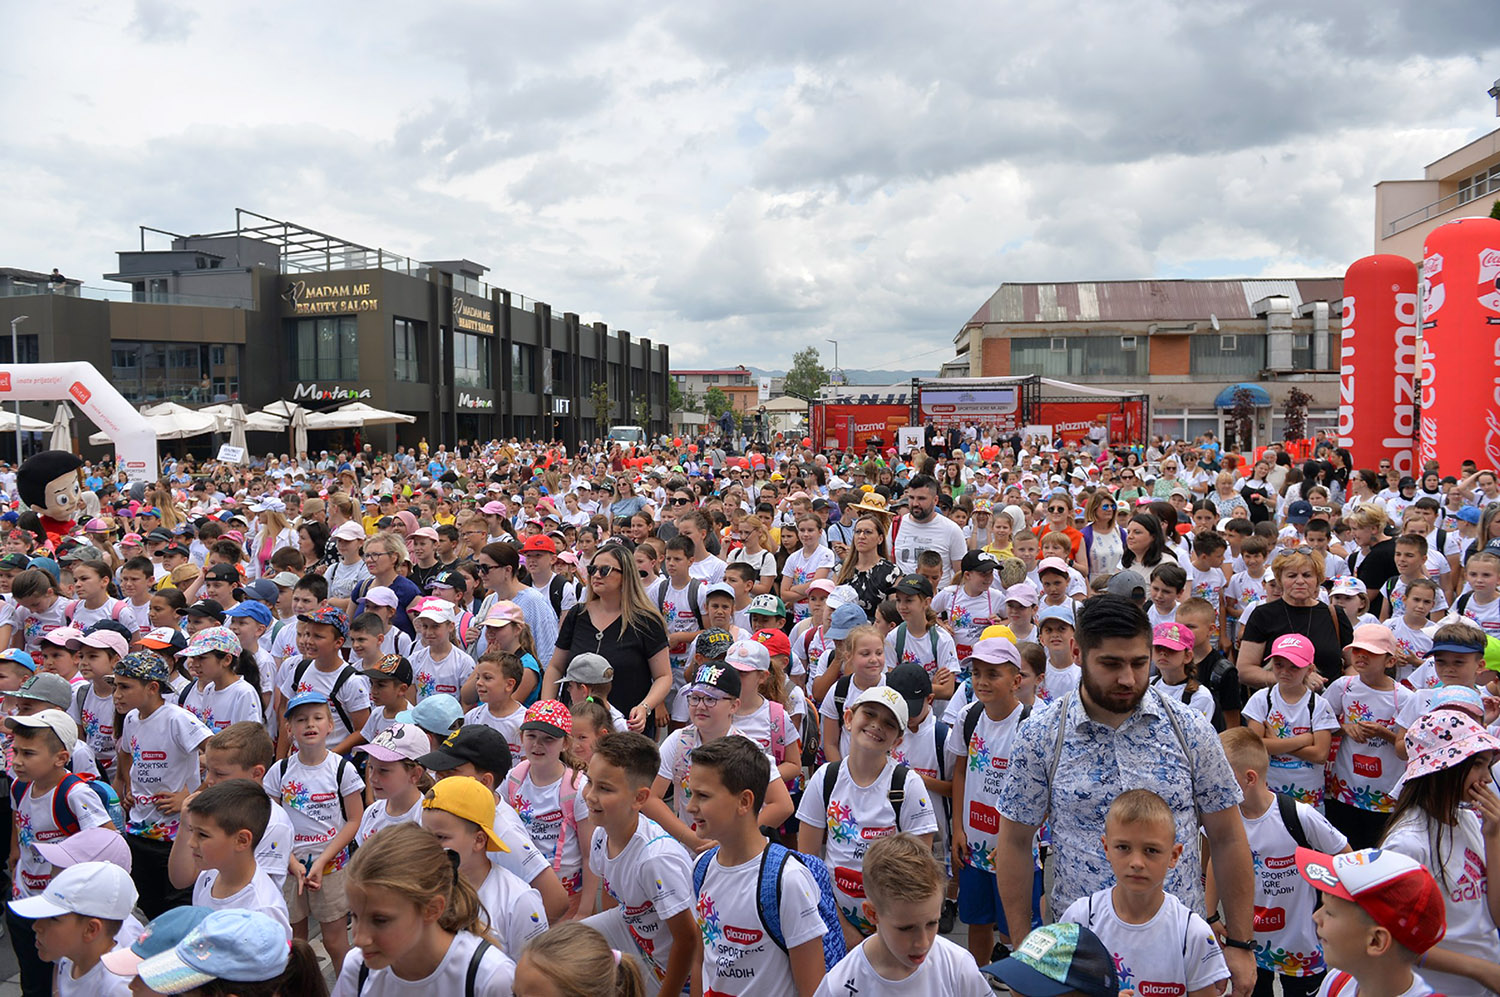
[[15, 357]]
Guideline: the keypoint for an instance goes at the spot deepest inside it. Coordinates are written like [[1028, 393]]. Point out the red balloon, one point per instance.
[[807, 442], [692, 448], [1377, 410], [1460, 401], [677, 442]]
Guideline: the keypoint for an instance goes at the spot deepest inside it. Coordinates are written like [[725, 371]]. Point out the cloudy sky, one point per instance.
[[741, 179]]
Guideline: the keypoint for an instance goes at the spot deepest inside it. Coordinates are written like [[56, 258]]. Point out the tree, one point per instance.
[[807, 374], [716, 403], [679, 400], [1495, 211], [603, 405], [1241, 425], [643, 414], [1295, 410]]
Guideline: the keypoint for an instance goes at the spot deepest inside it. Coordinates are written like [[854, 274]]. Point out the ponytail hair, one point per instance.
[[301, 978], [577, 959], [248, 668], [408, 860]]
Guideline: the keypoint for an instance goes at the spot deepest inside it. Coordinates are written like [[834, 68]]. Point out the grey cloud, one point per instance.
[[162, 21]]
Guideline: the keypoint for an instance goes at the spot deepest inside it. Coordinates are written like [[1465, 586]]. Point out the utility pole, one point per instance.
[[15, 357]]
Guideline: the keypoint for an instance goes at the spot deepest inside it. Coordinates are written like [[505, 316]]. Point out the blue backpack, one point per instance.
[[768, 898], [62, 814]]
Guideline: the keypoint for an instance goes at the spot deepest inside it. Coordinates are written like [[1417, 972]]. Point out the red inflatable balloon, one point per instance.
[[692, 448], [677, 442], [1378, 358], [1461, 344], [807, 442]]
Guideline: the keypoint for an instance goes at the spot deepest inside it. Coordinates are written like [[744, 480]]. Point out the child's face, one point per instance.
[[162, 614], [713, 807], [303, 601], [584, 736], [1350, 604], [1170, 660], [247, 630], [130, 694], [644, 562], [38, 603], [1287, 673], [7, 576], [59, 936], [1456, 667], [907, 928], [1061, 550], [1028, 683], [709, 713], [387, 778], [817, 602], [873, 728], [38, 756], [677, 564], [219, 766], [934, 576], [211, 845], [1141, 853], [57, 660], [1055, 586], [1368, 664], [1483, 577], [1019, 615], [323, 639], [609, 795], [220, 592], [993, 683], [1343, 930], [740, 584], [1419, 602], [1057, 636], [720, 610], [1408, 561], [433, 633], [95, 663], [310, 725], [1163, 596], [1255, 564], [387, 925], [194, 624], [366, 645], [1025, 547], [387, 692], [12, 676], [1202, 628], [1206, 561], [87, 583], [869, 659]]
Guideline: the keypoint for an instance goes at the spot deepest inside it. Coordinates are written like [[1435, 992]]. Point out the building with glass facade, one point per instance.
[[271, 310]]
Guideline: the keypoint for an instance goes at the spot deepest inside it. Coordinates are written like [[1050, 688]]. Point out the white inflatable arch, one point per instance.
[[83, 385]]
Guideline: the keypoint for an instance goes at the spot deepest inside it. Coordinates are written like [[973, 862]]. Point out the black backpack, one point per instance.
[[661, 598], [974, 711], [896, 794], [1287, 807]]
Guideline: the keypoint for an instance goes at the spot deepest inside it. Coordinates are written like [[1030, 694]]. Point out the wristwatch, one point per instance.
[[1235, 943]]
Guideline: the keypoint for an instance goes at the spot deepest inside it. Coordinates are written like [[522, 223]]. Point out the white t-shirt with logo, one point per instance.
[[1364, 774], [678, 612], [919, 650], [675, 762], [757, 726], [95, 717], [541, 810], [1303, 781], [496, 976], [444, 675], [1201, 700], [1285, 940], [830, 708], [986, 759], [801, 567], [948, 969], [512, 909], [377, 817], [354, 694], [651, 879], [739, 955], [32, 627], [968, 615], [1487, 617], [1150, 957], [313, 796], [508, 725], [1350, 988], [219, 707], [259, 894], [939, 533], [34, 825], [275, 845], [1463, 878], [163, 759], [855, 816]]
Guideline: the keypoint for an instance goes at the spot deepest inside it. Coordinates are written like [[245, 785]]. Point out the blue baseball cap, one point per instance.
[[1056, 959], [48, 565], [261, 590], [1469, 514], [237, 946], [257, 611], [303, 699], [1063, 614], [19, 656], [845, 619], [161, 935], [435, 714]]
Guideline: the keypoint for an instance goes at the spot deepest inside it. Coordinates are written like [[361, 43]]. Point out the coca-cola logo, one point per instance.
[[637, 911], [849, 881], [1367, 766], [871, 833], [984, 818], [1150, 988], [1270, 918], [742, 936], [1489, 279], [1280, 861]]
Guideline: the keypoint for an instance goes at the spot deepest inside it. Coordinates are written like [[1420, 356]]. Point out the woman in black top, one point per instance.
[[1300, 611], [1375, 564], [868, 567], [619, 622]]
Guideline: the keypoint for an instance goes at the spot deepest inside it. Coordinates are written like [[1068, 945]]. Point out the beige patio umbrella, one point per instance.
[[62, 428], [355, 415]]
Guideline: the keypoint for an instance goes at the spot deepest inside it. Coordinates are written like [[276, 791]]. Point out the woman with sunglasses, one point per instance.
[[1058, 510], [617, 620], [626, 502], [1103, 538]]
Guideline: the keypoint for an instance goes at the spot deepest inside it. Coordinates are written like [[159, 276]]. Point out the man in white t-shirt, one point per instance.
[[923, 529]]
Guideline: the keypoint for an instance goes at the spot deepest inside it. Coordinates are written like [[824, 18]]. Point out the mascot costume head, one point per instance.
[[49, 488]]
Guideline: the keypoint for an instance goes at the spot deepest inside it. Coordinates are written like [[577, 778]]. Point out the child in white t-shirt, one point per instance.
[[440, 666], [225, 823], [1286, 944], [390, 677], [1159, 945], [545, 786], [1294, 722], [1172, 647], [496, 678], [1413, 632], [394, 777]]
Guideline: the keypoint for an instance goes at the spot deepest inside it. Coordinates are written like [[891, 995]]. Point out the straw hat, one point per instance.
[[872, 502]]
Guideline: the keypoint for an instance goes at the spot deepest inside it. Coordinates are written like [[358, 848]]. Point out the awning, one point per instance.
[[1258, 396]]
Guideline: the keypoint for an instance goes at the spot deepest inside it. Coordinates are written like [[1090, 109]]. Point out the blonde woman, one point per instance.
[[619, 622], [270, 533], [1298, 611], [756, 553], [171, 516]]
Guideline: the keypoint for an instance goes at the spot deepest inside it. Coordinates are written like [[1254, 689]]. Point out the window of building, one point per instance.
[[216, 355], [158, 372], [523, 368], [325, 349], [26, 346], [471, 361], [1098, 355], [710, 378], [410, 339], [1229, 357], [1302, 351], [1480, 184]]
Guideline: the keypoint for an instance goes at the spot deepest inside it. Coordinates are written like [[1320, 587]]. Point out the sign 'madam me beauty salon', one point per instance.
[[307, 298], [472, 315]]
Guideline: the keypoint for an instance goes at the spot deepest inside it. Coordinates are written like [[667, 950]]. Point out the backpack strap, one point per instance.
[[897, 792], [1462, 603], [1062, 733], [117, 609], [830, 777], [700, 869], [345, 674], [359, 982], [932, 639], [940, 739], [555, 593], [972, 713], [1287, 807], [1186, 753], [514, 778], [62, 812], [78, 699], [338, 777], [841, 695], [694, 584], [900, 641], [768, 897], [281, 766], [471, 978]]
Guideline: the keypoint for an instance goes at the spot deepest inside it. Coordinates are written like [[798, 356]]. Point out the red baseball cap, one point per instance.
[[539, 544], [1397, 892], [775, 642]]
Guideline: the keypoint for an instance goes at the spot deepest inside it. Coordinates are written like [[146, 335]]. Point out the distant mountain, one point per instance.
[[859, 375]]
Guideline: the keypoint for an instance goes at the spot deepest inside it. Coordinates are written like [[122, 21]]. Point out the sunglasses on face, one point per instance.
[[601, 570], [680, 501]]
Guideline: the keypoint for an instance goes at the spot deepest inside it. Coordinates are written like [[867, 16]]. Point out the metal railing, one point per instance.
[[123, 294], [1441, 206]]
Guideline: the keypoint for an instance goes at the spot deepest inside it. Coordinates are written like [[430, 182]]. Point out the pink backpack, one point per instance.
[[566, 798]]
